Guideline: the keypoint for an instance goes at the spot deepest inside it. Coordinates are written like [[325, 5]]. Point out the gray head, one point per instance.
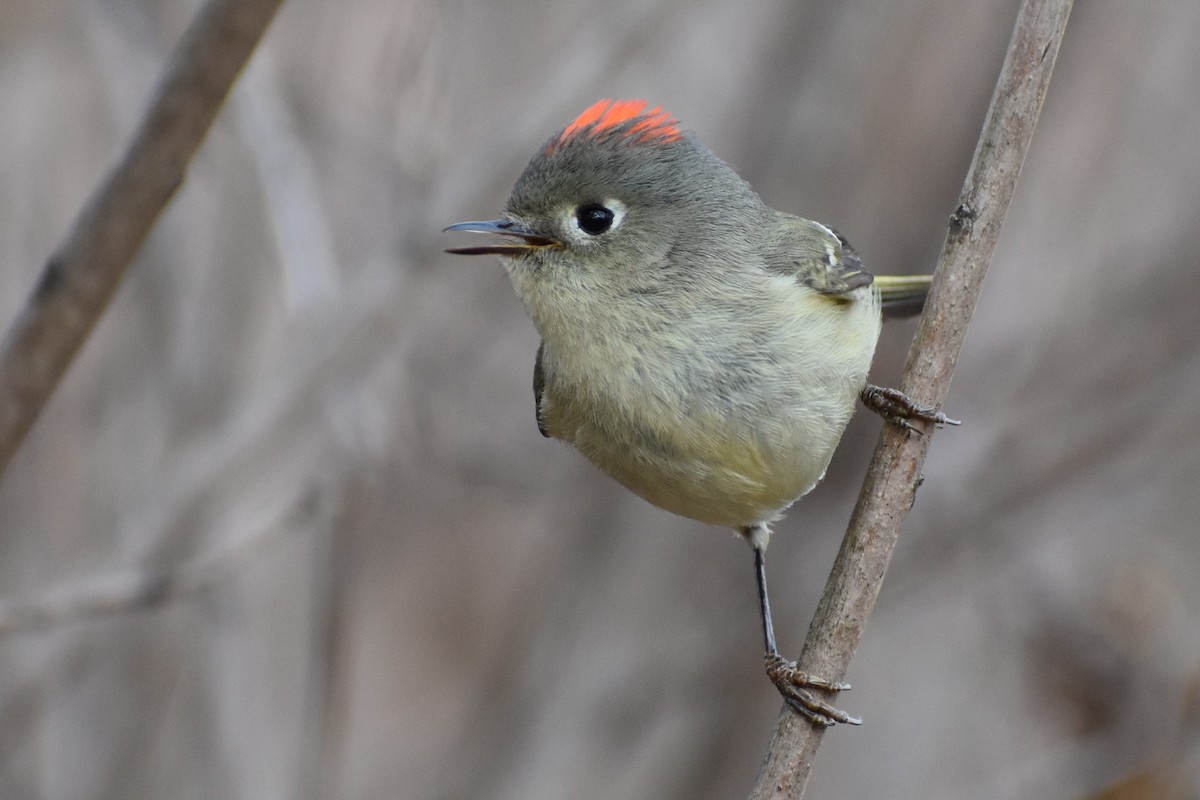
[[619, 192]]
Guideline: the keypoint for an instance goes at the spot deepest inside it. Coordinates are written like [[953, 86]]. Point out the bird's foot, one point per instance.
[[795, 687], [898, 408]]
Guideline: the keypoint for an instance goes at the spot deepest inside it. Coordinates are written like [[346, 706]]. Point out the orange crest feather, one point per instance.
[[653, 125]]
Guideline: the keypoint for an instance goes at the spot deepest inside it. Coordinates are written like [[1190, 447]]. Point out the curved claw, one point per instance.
[[898, 408], [794, 685]]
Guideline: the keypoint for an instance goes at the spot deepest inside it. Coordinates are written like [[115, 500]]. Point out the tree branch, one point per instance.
[[894, 474], [82, 275], [134, 591]]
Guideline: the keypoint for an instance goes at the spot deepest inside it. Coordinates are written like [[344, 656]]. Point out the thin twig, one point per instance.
[[131, 592], [895, 470], [82, 275]]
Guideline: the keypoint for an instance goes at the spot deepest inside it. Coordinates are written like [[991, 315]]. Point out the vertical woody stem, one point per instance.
[[895, 469]]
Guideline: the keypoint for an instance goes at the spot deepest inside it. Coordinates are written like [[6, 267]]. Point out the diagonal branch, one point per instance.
[[894, 473], [82, 275], [130, 592]]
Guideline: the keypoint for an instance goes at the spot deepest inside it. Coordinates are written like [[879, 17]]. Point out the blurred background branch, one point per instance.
[[80, 278], [897, 468], [127, 593]]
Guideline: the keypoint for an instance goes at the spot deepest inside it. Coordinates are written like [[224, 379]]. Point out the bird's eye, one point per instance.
[[594, 219]]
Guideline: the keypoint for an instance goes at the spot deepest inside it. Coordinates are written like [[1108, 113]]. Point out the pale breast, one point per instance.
[[726, 425]]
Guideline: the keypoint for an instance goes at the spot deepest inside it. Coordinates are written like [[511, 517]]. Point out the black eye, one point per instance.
[[594, 219]]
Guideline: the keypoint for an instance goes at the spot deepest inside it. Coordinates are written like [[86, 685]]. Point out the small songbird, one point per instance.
[[703, 349]]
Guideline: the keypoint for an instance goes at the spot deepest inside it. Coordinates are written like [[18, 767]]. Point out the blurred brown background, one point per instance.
[[399, 589]]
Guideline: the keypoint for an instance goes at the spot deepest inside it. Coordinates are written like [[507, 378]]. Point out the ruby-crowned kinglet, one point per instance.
[[701, 348]]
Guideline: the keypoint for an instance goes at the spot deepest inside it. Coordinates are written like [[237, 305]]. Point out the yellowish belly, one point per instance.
[[726, 425]]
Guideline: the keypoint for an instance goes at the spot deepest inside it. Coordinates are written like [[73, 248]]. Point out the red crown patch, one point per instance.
[[649, 125]]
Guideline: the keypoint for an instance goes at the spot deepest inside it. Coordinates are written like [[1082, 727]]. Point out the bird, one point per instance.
[[700, 347]]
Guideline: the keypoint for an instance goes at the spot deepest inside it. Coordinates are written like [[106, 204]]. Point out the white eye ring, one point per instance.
[[592, 220]]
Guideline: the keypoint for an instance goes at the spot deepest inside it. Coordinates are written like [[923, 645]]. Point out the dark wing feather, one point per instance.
[[815, 255], [539, 385]]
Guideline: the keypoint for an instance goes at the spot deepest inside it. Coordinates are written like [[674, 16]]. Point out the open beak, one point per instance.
[[502, 227]]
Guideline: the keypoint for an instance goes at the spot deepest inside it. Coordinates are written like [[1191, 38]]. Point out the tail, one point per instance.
[[902, 295]]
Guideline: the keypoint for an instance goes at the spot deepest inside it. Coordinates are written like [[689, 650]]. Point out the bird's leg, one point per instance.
[[898, 408], [794, 685]]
